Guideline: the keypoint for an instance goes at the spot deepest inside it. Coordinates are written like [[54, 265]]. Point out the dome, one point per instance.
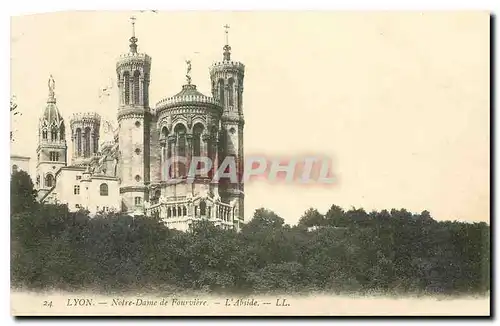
[[51, 114], [188, 96], [189, 90]]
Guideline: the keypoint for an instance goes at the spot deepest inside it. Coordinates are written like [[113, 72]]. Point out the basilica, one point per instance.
[[130, 173]]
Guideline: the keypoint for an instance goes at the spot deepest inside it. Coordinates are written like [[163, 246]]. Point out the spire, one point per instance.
[[133, 39], [227, 48], [52, 86]]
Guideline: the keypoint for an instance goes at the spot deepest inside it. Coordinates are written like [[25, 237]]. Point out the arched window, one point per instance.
[[221, 91], [49, 181], [164, 133], [203, 207], [126, 86], [180, 132], [156, 196], [53, 134], [44, 133], [145, 91], [103, 189], [86, 143], [62, 132], [95, 144], [184, 211], [14, 168], [197, 132], [79, 141], [231, 91], [137, 74]]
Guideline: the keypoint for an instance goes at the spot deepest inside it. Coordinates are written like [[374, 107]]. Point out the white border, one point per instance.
[[14, 8]]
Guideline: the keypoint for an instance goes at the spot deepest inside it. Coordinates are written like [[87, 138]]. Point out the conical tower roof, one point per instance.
[[51, 115]]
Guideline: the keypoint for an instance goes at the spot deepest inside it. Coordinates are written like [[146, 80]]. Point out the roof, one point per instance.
[[20, 157], [51, 114], [189, 90], [189, 95]]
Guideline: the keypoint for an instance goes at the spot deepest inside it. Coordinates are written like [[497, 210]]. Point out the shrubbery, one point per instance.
[[348, 251]]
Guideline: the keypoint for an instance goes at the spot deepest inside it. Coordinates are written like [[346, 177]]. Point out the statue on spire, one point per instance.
[[188, 72], [52, 87]]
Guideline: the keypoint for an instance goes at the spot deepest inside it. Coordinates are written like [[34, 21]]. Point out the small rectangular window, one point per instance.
[[76, 190], [78, 177], [54, 156], [137, 201]]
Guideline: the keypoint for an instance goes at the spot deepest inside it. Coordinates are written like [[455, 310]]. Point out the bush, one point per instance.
[[349, 251]]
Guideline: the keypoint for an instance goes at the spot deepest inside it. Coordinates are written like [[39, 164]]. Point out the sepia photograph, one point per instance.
[[250, 163]]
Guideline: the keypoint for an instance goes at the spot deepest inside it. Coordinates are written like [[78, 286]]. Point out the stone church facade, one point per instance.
[[131, 174]]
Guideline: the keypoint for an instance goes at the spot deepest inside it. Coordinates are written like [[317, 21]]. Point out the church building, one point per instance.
[[130, 174]]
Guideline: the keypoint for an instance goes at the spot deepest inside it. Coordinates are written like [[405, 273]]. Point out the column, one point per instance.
[[84, 141], [189, 151], [226, 94], [214, 156], [131, 88], [93, 142], [75, 146], [170, 154], [122, 91], [141, 89], [91, 139], [162, 161], [205, 138]]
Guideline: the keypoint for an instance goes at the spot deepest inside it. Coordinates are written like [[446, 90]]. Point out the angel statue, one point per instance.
[[108, 127], [188, 72]]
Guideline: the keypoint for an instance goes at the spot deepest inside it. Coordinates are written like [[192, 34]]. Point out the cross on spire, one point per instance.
[[227, 33], [133, 39], [227, 48], [132, 20]]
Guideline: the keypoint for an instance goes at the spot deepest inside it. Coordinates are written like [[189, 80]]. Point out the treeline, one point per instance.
[[338, 252]]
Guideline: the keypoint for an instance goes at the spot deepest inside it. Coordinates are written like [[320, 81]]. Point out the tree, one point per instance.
[[336, 216], [312, 217], [22, 192], [264, 219]]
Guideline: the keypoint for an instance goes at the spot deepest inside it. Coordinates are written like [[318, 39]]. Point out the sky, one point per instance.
[[398, 101]]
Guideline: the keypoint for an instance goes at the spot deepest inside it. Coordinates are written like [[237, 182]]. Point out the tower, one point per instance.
[[227, 86], [133, 71], [85, 137], [52, 148]]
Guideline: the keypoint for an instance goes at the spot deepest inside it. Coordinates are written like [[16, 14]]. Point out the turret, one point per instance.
[[85, 137], [52, 148], [227, 86], [133, 69]]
